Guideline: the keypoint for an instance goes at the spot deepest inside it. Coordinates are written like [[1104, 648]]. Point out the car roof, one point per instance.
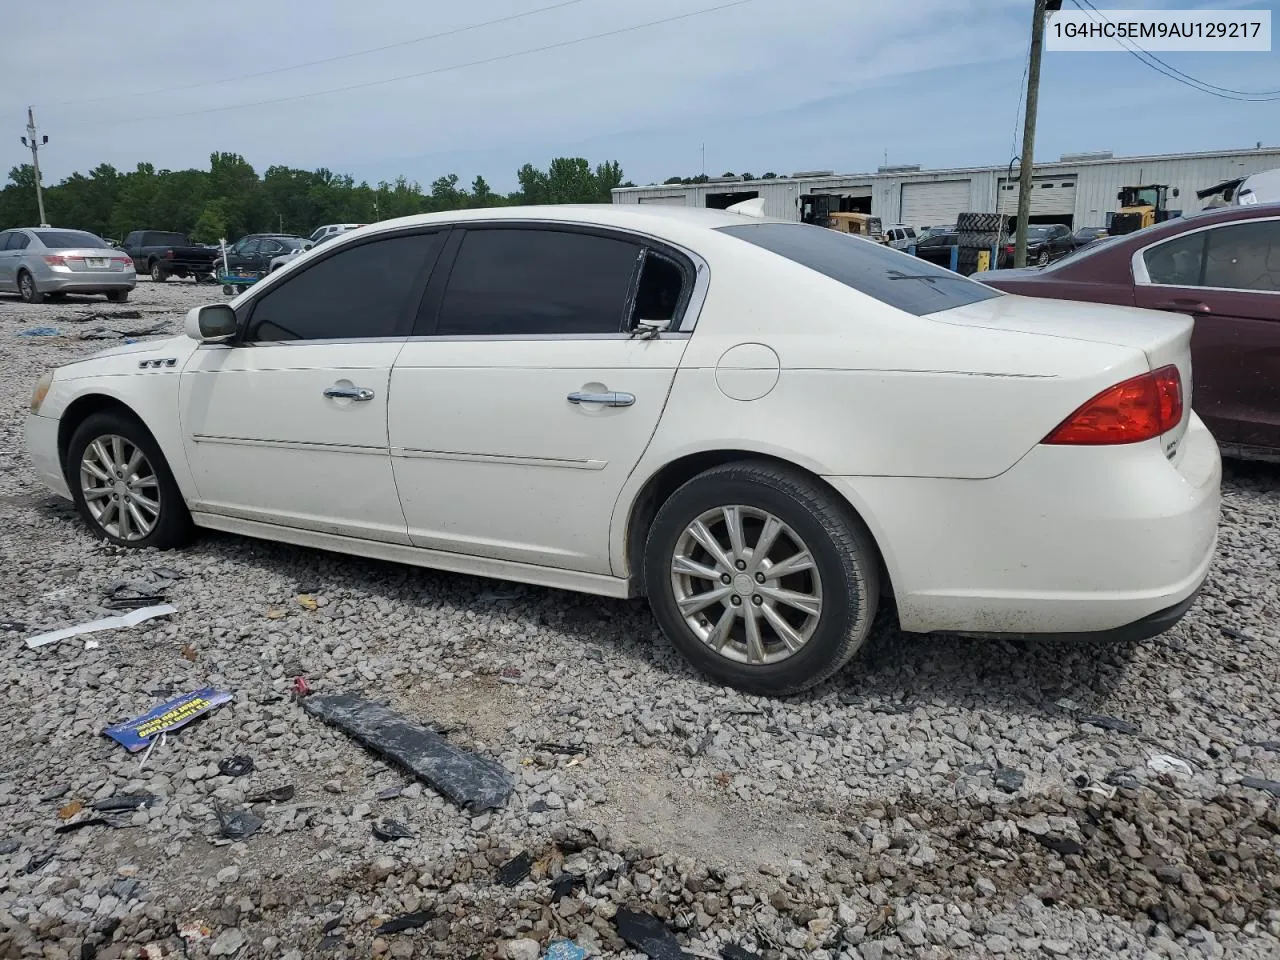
[[598, 214]]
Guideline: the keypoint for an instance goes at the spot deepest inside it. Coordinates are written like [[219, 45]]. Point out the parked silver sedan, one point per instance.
[[38, 262]]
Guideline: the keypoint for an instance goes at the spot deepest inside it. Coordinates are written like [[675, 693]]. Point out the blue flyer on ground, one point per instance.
[[136, 734]]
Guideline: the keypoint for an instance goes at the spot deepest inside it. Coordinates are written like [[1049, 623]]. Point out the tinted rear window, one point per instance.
[[898, 279], [67, 239], [167, 239]]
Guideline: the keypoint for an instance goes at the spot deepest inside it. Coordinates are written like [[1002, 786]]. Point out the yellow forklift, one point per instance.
[[1141, 207]]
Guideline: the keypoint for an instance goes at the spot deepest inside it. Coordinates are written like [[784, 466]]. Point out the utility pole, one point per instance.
[[35, 143], [704, 159], [1029, 132]]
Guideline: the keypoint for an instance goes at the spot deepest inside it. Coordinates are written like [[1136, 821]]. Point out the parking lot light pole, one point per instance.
[[35, 143], [1029, 134]]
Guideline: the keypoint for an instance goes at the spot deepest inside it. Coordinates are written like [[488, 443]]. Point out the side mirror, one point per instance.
[[212, 323]]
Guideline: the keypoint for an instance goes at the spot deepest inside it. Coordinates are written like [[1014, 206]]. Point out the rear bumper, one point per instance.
[[1075, 541], [42, 447], [84, 281]]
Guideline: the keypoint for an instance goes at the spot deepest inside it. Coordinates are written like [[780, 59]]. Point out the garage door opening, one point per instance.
[[723, 201]]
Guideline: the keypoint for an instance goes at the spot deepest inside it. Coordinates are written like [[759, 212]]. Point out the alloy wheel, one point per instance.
[[746, 585], [120, 487]]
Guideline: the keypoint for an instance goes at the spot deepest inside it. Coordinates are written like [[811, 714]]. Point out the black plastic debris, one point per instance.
[[12, 626], [1123, 779], [1062, 845], [331, 925], [515, 869], [9, 846], [1114, 724], [648, 934], [731, 951], [469, 780], [131, 596], [1008, 779], [561, 749], [38, 861], [274, 795], [410, 921], [168, 573], [1235, 634], [54, 792], [564, 885], [235, 766], [538, 806], [331, 942], [125, 889], [388, 829], [239, 825], [125, 801], [390, 793], [1257, 783]]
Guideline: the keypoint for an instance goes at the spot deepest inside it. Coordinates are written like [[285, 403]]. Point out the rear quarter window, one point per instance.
[[898, 279]]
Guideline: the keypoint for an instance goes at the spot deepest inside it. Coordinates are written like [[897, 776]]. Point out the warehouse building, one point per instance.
[[1078, 190]]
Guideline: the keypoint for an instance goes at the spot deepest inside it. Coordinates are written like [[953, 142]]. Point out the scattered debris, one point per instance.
[[1008, 779], [275, 614], [731, 951], [237, 826], [81, 824], [469, 780], [38, 861], [189, 652], [565, 884], [125, 801], [111, 333], [388, 829], [274, 794], [195, 931], [136, 734], [131, 596], [331, 924], [41, 332], [388, 794], [1062, 845], [67, 811], [301, 688], [648, 934], [307, 602], [1271, 746], [564, 950], [331, 942], [92, 644], [168, 573], [1123, 779], [159, 741], [1163, 763], [1235, 634], [561, 749], [9, 846], [515, 870], [12, 626], [1257, 783], [409, 921], [1114, 724], [235, 766], [131, 619]]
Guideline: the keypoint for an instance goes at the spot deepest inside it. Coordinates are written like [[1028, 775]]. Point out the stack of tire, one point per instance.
[[977, 231]]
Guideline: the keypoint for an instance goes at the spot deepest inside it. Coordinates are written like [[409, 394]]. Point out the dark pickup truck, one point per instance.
[[164, 255]]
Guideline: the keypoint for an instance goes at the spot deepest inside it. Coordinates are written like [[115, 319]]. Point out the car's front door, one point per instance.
[[1228, 278], [240, 256], [8, 261], [517, 418], [288, 425]]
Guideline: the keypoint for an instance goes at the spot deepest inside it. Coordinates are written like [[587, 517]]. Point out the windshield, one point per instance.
[[1038, 232], [890, 276], [295, 243], [68, 239]]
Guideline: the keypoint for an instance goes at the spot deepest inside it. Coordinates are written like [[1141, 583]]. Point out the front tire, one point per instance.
[[122, 485], [27, 288], [1042, 260], [761, 577]]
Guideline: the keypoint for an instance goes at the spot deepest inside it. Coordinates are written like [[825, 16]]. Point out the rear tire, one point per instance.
[[117, 296], [157, 273], [146, 491], [27, 288], [770, 629]]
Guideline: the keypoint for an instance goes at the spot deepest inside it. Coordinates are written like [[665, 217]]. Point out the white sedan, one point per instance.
[[770, 429]]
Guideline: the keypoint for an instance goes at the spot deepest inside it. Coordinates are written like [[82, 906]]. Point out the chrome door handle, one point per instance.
[[348, 393], [611, 399]]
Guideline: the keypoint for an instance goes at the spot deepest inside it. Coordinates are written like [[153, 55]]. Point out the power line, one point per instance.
[[343, 56], [1186, 79], [424, 73]]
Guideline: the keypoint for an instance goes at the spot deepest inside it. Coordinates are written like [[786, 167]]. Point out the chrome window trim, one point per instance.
[[1138, 264]]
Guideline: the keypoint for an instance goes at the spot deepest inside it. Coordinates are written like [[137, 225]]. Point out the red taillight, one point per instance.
[[1130, 412], [56, 261], [168, 254], [1008, 248], [124, 260]]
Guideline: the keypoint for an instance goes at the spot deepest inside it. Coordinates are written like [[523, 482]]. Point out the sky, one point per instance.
[[765, 85]]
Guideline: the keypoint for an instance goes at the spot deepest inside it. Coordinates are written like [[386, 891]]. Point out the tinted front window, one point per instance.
[[892, 277], [1178, 262], [508, 282], [1245, 256], [67, 239], [363, 291]]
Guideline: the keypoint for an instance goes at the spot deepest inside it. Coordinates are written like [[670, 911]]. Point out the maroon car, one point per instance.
[[1222, 267]]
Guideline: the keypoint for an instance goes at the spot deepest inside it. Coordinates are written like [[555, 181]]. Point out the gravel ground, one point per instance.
[[940, 798]]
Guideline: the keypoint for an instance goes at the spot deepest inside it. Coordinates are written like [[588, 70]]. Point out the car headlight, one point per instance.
[[41, 391]]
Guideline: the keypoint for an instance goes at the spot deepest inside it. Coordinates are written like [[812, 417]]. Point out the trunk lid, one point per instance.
[[91, 259], [1164, 338]]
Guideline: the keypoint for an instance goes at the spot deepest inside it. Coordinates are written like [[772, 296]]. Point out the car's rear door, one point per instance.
[[1228, 278], [521, 409], [288, 425], [8, 260]]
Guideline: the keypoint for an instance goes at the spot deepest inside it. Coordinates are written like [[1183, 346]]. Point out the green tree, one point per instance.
[[212, 223]]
